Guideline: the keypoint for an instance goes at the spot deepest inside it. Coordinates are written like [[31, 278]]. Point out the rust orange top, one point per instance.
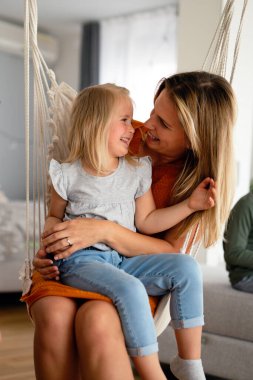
[[163, 179]]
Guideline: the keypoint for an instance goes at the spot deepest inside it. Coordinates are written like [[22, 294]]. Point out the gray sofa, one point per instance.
[[227, 343]]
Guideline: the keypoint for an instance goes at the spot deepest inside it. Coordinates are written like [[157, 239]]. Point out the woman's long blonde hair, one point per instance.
[[207, 111], [90, 119]]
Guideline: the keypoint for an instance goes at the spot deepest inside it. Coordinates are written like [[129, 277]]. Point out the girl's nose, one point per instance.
[[131, 128]]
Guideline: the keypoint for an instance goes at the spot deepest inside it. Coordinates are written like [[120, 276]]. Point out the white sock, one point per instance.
[[187, 369]]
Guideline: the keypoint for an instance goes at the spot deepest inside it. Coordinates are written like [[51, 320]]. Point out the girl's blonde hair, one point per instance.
[[207, 110], [90, 119]]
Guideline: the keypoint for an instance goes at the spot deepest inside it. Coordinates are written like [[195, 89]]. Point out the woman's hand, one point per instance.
[[65, 238], [44, 266]]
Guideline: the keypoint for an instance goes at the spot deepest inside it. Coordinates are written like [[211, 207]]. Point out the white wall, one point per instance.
[[243, 85], [197, 22], [12, 136], [67, 68]]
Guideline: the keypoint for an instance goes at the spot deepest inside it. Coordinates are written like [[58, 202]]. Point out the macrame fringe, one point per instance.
[[25, 275]]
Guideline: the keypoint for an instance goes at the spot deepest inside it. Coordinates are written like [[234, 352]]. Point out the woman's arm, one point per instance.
[[45, 266], [177, 242], [57, 206], [87, 232], [41, 262]]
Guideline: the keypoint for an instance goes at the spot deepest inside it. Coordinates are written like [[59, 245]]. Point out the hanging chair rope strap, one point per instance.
[[238, 40], [217, 54], [26, 275], [42, 76]]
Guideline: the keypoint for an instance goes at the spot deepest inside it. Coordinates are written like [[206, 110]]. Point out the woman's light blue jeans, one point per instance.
[[129, 280]]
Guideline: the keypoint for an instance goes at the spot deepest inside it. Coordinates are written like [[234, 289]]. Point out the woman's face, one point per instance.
[[166, 137]]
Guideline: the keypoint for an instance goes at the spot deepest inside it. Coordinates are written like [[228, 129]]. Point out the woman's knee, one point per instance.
[[97, 321], [54, 314]]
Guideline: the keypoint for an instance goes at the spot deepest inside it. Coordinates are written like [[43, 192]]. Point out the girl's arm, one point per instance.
[[148, 220], [57, 206]]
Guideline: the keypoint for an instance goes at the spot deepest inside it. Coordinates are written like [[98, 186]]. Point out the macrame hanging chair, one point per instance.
[[51, 112]]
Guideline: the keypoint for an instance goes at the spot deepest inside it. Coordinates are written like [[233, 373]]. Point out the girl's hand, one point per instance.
[[65, 238], [44, 266], [203, 197]]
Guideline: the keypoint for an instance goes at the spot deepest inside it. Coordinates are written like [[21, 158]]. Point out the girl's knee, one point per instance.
[[132, 290], [189, 269]]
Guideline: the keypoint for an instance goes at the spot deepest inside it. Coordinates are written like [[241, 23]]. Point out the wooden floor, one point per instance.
[[16, 352]]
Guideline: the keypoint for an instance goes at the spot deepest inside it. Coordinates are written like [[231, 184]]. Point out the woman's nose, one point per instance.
[[149, 124]]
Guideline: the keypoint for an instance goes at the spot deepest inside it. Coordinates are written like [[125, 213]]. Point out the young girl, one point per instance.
[[100, 181]]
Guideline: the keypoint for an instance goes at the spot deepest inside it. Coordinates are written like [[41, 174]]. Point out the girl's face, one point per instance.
[[166, 137], [120, 129]]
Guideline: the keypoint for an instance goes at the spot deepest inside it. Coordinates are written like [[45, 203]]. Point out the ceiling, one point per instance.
[[64, 16]]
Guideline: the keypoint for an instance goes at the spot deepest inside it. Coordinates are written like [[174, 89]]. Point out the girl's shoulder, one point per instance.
[[144, 161], [137, 162], [64, 165], [139, 166], [63, 169]]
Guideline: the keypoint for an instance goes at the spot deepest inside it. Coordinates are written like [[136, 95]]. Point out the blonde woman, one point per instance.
[[189, 137], [97, 181]]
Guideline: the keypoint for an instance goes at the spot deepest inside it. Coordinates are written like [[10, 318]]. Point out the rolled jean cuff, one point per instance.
[[143, 351], [187, 323]]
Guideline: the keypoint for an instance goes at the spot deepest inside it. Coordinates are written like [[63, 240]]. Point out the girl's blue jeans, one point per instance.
[[129, 280]]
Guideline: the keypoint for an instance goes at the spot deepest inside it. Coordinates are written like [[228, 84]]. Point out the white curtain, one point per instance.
[[136, 51]]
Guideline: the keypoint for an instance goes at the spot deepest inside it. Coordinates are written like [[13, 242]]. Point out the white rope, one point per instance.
[[51, 106], [219, 44], [238, 40], [26, 275], [41, 115], [217, 55]]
